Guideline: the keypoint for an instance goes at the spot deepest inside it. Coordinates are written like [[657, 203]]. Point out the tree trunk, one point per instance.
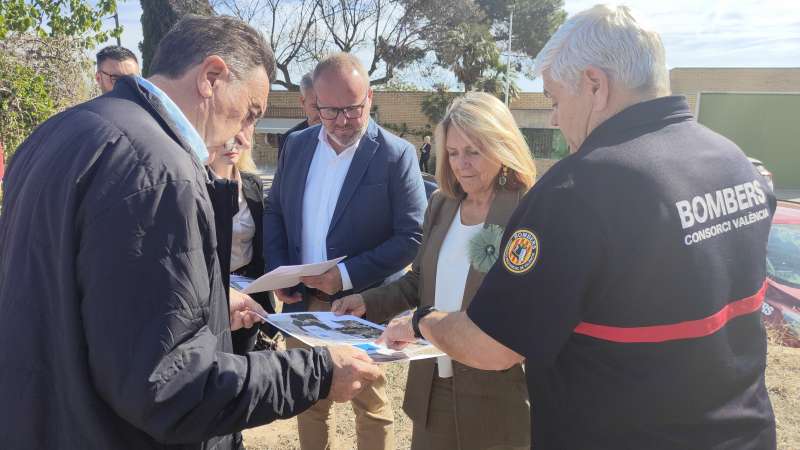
[[158, 16]]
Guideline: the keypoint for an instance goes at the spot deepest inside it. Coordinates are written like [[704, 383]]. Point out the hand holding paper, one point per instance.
[[288, 276], [244, 311], [329, 282]]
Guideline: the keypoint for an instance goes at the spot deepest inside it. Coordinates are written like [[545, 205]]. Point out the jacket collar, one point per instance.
[[170, 116], [640, 116], [500, 211], [367, 147]]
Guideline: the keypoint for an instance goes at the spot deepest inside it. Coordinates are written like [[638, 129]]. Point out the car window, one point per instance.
[[783, 254]]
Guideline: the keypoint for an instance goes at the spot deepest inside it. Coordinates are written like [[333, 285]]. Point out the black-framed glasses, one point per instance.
[[350, 112], [111, 77]]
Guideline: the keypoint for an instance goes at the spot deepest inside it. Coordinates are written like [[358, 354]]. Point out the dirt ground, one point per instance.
[[783, 381], [282, 435]]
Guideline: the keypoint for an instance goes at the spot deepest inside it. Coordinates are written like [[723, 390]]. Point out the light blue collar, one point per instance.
[[185, 128]]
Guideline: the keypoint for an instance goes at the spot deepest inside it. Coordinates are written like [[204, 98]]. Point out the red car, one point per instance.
[[781, 308]]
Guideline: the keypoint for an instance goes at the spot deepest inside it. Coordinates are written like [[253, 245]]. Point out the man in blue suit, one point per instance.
[[348, 188]]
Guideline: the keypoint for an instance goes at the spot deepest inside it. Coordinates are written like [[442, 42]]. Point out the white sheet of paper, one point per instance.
[[288, 276]]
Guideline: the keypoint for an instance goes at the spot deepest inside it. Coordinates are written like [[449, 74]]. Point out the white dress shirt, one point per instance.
[[244, 230], [323, 185], [452, 269]]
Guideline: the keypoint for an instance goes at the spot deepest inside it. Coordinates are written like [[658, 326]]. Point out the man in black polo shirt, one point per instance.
[[630, 278]]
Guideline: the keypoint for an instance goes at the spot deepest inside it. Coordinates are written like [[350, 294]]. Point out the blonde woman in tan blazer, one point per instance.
[[483, 167]]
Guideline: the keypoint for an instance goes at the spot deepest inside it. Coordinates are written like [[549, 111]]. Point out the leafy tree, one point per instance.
[[398, 85], [24, 103], [390, 33], [62, 62], [290, 26], [493, 81], [434, 105], [471, 48], [468, 50], [59, 18], [380, 26], [40, 76], [158, 16], [534, 21]]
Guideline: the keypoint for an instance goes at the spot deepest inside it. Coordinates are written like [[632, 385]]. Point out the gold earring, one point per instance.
[[503, 178]]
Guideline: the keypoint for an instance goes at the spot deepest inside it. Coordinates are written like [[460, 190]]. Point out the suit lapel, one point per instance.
[[358, 167], [437, 233], [307, 150], [499, 212]]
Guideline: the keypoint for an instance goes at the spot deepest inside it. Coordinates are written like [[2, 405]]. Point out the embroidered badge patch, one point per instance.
[[521, 252]]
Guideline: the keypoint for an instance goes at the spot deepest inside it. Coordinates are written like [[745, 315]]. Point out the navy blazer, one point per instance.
[[377, 222]]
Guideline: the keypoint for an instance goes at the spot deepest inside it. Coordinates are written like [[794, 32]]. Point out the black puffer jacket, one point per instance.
[[114, 328]]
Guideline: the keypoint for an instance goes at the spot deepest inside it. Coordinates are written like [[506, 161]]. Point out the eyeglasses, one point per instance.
[[111, 77], [350, 112]]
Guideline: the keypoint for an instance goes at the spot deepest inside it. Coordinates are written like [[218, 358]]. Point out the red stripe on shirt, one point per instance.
[[683, 330]]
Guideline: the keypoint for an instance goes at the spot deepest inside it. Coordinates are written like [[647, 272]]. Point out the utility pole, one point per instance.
[[508, 52], [116, 24]]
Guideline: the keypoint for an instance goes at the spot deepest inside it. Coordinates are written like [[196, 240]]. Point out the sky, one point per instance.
[[696, 33]]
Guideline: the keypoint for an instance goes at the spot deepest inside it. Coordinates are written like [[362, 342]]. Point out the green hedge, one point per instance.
[[24, 103]]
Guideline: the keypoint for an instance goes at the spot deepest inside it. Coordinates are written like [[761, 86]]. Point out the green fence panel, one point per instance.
[[765, 125]]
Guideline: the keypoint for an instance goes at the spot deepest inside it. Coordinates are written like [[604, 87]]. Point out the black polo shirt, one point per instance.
[[631, 280]]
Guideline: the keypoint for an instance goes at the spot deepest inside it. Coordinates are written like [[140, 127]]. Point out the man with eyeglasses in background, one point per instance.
[[346, 187], [114, 62]]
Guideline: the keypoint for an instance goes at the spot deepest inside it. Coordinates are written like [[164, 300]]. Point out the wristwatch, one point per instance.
[[418, 315]]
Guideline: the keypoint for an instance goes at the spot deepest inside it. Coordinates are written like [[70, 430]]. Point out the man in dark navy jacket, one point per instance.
[[114, 324], [346, 188], [632, 274]]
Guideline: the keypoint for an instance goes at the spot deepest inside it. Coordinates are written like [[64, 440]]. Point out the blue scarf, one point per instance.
[[185, 128]]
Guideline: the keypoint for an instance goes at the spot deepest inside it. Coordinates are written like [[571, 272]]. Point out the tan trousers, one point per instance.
[[373, 410]]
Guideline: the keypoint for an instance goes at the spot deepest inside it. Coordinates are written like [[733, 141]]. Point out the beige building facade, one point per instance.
[[401, 112]]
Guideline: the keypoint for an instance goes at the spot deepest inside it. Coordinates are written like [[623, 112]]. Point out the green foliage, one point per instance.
[[402, 129], [467, 51], [61, 61], [58, 18], [470, 46], [534, 21], [397, 85], [493, 81], [24, 103], [38, 77], [158, 16], [434, 105]]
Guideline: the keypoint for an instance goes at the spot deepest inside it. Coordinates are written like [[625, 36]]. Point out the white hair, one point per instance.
[[608, 38], [306, 83]]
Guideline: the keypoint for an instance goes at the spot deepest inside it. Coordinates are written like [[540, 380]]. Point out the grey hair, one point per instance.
[[340, 61], [609, 38], [306, 83], [194, 38]]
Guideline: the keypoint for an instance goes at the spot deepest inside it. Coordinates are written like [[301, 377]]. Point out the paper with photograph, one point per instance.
[[326, 329]]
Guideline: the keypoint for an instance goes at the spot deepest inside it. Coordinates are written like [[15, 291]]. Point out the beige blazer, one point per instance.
[[490, 406]]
